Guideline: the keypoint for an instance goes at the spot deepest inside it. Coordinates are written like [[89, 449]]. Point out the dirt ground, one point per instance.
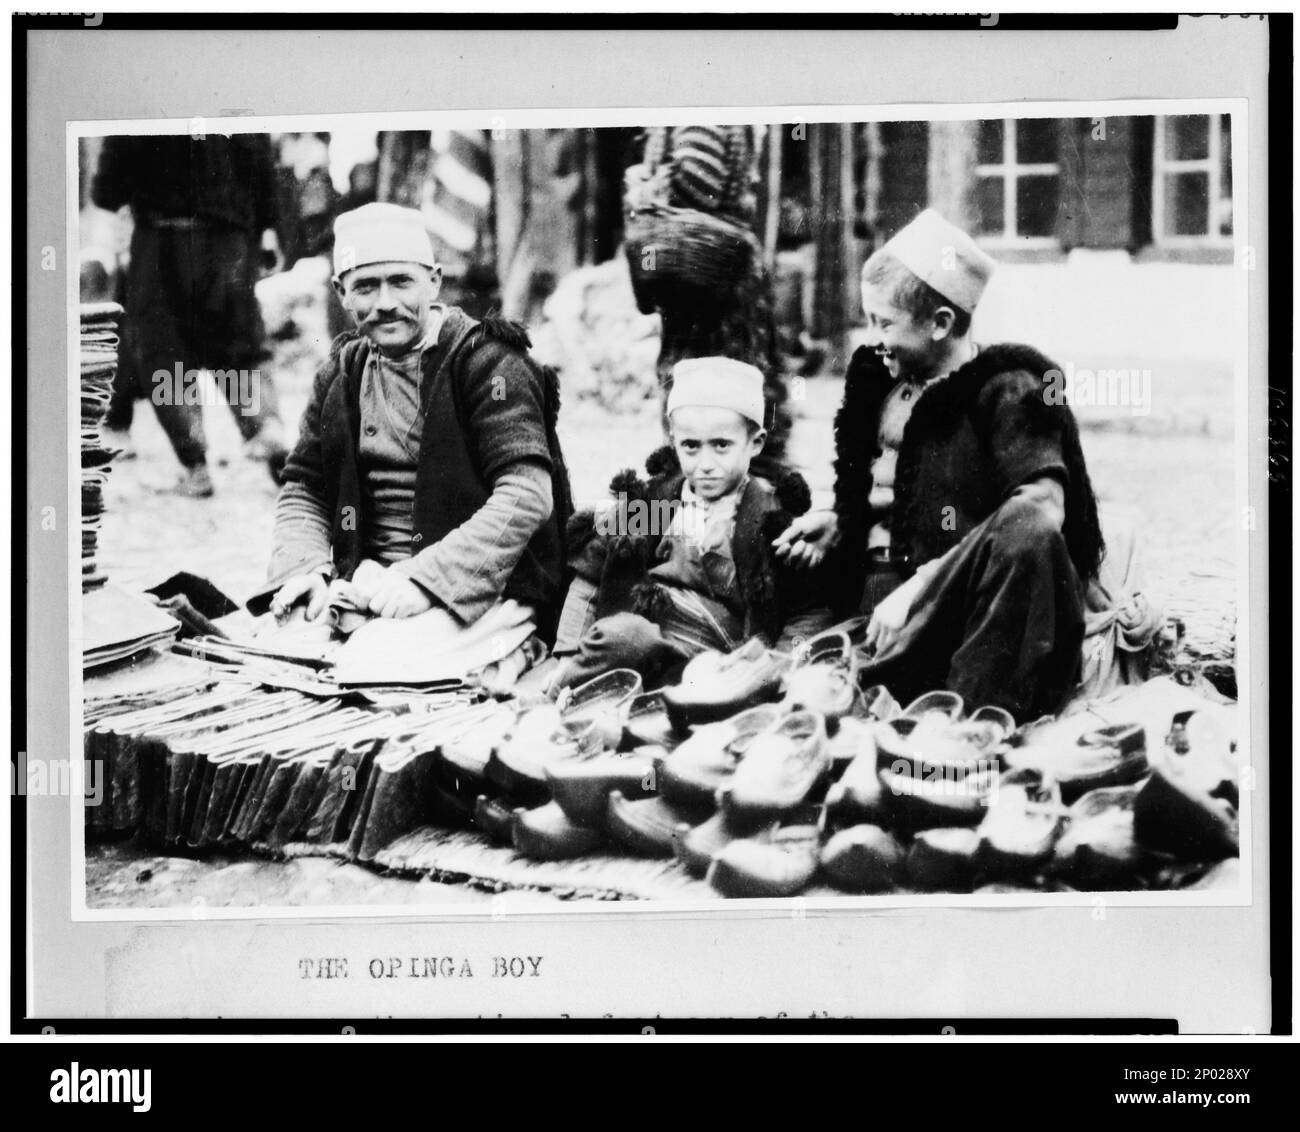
[[1176, 487], [126, 875]]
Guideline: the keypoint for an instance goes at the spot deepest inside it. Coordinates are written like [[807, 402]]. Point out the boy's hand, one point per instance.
[[890, 616], [806, 541]]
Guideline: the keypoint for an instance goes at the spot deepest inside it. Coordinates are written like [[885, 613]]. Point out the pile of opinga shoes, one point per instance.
[[767, 773]]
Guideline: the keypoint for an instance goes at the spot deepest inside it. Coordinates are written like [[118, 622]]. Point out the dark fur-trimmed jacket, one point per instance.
[[617, 557], [973, 438]]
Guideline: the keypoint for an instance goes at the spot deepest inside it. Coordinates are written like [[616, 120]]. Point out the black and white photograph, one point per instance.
[[576, 525], [663, 511]]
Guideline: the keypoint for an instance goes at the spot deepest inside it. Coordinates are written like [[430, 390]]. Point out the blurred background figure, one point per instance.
[[204, 216], [695, 258]]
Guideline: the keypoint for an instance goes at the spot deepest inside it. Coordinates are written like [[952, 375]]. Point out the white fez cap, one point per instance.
[[380, 233], [718, 383], [945, 257]]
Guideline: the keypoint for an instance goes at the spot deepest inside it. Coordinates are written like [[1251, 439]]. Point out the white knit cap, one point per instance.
[[943, 256], [380, 233], [718, 383]]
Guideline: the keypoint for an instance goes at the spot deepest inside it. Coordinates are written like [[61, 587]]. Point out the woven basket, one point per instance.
[[684, 246]]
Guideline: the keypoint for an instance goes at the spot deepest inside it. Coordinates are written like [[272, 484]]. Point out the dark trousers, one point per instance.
[[624, 640], [190, 302], [1000, 623]]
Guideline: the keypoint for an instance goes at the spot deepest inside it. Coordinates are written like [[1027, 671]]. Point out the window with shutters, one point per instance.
[[1017, 182], [1192, 189]]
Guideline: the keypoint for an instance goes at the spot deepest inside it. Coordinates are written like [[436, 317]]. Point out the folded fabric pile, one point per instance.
[[116, 624], [431, 649], [428, 653], [99, 341]]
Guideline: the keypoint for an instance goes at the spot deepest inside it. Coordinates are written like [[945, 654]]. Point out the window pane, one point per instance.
[[1225, 175], [1225, 217], [1225, 154], [1187, 204], [1187, 137], [1036, 203], [988, 148], [989, 194], [1036, 140]]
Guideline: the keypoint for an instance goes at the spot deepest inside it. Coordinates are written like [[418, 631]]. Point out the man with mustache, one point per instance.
[[427, 451]]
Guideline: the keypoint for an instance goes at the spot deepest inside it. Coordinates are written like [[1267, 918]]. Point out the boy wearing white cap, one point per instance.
[[683, 562], [427, 448], [964, 522]]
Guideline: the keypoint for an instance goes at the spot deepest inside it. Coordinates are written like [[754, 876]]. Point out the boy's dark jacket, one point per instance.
[[973, 438], [471, 429], [617, 558]]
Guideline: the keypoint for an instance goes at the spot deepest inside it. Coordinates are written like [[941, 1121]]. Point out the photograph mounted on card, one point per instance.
[[652, 510]]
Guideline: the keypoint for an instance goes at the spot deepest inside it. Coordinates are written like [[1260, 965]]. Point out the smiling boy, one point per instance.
[[648, 599], [964, 522]]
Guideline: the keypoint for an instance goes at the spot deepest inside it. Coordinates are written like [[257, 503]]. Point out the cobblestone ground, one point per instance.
[[1177, 488]]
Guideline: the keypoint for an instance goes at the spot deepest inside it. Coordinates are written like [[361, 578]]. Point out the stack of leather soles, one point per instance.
[[235, 765], [99, 343]]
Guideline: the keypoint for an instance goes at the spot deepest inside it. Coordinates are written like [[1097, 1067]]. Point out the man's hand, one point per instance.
[[806, 541], [395, 595], [890, 616], [310, 588]]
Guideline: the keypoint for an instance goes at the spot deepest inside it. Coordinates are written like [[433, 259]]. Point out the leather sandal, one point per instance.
[[863, 858], [539, 738], [925, 803], [823, 678], [581, 787], [691, 775], [644, 827], [1107, 756], [943, 859], [546, 834], [494, 819], [1098, 848], [944, 703], [600, 702], [857, 796], [1025, 819], [781, 864], [934, 747], [1188, 807], [875, 702], [696, 846], [781, 767], [715, 685], [646, 722]]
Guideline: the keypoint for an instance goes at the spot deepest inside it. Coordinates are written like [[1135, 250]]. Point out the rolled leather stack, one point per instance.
[[99, 342], [237, 765]]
